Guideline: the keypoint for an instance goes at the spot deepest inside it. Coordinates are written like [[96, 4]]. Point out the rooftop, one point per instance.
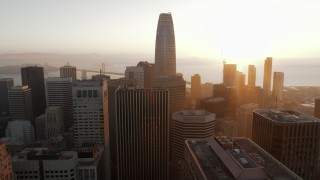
[[287, 116], [243, 159], [42, 154]]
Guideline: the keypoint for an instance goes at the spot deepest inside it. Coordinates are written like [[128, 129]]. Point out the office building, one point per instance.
[[90, 103], [54, 121], [291, 137], [20, 101], [165, 51], [33, 77], [22, 130], [91, 165], [40, 128], [277, 88], [190, 124], [142, 133], [267, 75], [143, 73], [317, 108], [43, 163], [5, 86], [59, 93], [68, 71], [206, 90], [244, 119], [214, 105], [113, 85], [238, 158], [230, 75], [195, 86], [251, 76], [5, 163]]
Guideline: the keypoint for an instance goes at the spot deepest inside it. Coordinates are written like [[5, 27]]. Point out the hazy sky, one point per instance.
[[244, 29]]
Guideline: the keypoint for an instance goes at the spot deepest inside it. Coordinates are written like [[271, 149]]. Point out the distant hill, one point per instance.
[[15, 69]]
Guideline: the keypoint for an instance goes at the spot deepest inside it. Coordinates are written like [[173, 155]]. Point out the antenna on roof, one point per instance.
[[223, 60]]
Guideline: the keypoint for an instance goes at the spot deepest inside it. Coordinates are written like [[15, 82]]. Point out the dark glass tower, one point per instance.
[[142, 133], [33, 77], [165, 55], [5, 86]]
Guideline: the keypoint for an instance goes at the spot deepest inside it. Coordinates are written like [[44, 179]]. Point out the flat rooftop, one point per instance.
[[42, 154], [286, 116], [243, 159]]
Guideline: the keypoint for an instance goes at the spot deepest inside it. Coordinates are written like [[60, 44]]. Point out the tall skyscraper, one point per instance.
[[90, 114], [291, 137], [113, 85], [251, 76], [21, 103], [267, 75], [142, 133], [317, 108], [5, 163], [5, 86], [59, 93], [54, 121], [196, 86], [244, 119], [230, 75], [90, 102], [165, 52], [33, 77], [277, 88], [68, 71], [143, 73], [221, 158]]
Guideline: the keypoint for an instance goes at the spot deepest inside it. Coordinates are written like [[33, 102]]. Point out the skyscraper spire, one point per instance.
[[165, 52]]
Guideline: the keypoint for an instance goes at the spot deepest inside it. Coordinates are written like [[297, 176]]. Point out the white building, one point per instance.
[[22, 130], [91, 164], [245, 118], [90, 99], [42, 163]]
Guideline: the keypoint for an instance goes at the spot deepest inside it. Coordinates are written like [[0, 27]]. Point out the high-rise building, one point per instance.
[[33, 77], [244, 119], [59, 93], [21, 103], [142, 133], [40, 128], [317, 108], [206, 90], [241, 80], [68, 71], [91, 164], [291, 137], [90, 114], [5, 86], [277, 88], [21, 130], [230, 75], [90, 102], [238, 158], [113, 85], [190, 124], [54, 121], [267, 75], [143, 73], [5, 163], [43, 163], [251, 76], [196, 86], [165, 52]]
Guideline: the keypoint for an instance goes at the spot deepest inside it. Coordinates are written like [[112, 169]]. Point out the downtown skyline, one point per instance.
[[241, 32]]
